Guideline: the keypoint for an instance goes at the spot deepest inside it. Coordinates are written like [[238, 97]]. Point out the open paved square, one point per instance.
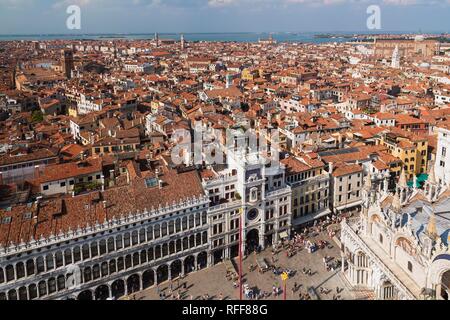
[[212, 284]]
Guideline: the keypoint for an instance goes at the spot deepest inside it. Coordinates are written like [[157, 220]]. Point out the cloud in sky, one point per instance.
[[212, 3], [48, 16]]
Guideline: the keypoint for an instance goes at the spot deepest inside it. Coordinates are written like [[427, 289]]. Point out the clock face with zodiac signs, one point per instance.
[[252, 214]]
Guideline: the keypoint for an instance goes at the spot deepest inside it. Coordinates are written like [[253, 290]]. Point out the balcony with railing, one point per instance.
[[310, 181], [279, 192], [235, 204]]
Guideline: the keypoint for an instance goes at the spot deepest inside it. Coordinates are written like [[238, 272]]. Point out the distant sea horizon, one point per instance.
[[308, 37]]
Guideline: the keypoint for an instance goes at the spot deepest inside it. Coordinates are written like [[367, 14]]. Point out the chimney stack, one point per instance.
[[229, 81], [157, 173], [112, 177], [37, 173], [38, 199]]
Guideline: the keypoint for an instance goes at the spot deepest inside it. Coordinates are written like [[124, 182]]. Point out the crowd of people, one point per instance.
[[175, 292], [305, 239]]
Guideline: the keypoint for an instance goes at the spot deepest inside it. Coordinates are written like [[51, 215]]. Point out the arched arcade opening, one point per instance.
[[445, 286], [189, 264], [252, 240], [85, 295], [148, 279], [162, 274], [133, 283], [118, 289], [102, 293]]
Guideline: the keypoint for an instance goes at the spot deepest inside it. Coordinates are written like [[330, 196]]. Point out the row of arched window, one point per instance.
[[95, 249], [145, 256], [107, 268], [35, 291], [361, 260]]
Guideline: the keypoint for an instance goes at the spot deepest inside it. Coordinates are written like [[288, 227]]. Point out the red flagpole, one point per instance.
[[240, 254], [284, 291]]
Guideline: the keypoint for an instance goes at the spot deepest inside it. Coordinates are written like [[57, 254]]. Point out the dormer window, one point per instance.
[[6, 220], [27, 216]]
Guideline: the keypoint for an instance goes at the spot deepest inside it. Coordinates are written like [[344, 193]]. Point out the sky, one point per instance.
[[185, 16]]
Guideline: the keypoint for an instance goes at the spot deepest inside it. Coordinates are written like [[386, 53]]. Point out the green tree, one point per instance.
[[37, 116], [93, 186]]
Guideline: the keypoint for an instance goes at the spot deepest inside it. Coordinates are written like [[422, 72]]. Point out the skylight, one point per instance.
[[151, 182]]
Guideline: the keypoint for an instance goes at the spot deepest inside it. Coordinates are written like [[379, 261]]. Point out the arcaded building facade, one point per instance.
[[162, 225], [106, 244], [399, 247]]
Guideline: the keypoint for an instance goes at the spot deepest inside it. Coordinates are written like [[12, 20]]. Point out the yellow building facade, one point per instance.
[[412, 151]]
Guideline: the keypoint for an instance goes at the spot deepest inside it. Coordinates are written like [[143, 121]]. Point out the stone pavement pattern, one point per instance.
[[213, 282]]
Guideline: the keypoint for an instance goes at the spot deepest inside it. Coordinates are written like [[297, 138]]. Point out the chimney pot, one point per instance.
[[37, 173], [112, 177]]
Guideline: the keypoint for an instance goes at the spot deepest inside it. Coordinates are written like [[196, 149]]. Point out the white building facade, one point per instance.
[[442, 165], [398, 247], [109, 260]]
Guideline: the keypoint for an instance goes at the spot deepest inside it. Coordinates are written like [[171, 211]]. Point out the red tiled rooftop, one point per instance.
[[68, 213]]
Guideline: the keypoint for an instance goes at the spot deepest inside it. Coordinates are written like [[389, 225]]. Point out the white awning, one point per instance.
[[349, 205], [284, 235], [310, 217]]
